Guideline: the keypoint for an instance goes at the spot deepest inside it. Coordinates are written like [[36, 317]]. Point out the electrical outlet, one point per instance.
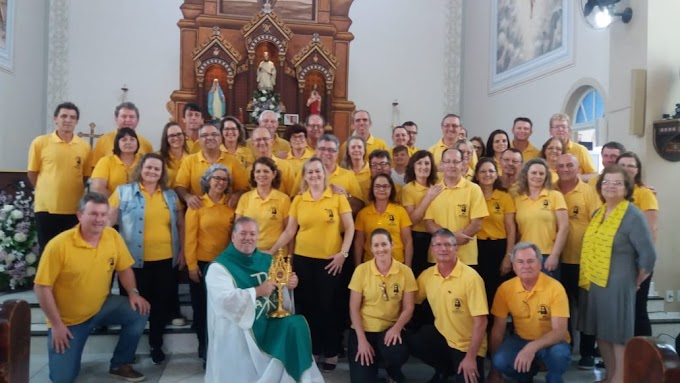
[[669, 296]]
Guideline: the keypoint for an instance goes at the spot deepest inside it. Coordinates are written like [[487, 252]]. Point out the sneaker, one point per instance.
[[586, 363], [179, 321], [126, 373], [157, 356], [600, 365]]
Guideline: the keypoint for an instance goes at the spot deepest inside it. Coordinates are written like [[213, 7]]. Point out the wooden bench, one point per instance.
[[15, 341], [648, 360]]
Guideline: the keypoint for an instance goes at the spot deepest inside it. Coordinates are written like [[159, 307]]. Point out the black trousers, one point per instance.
[[643, 326], [491, 254], [421, 245], [155, 280], [316, 299], [49, 226], [199, 304], [428, 345], [392, 357], [569, 276]]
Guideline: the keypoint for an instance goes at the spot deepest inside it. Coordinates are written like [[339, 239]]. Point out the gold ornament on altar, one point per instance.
[[279, 273]]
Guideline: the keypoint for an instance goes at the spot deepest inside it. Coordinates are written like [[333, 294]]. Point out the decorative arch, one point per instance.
[[315, 58], [267, 27], [216, 51]]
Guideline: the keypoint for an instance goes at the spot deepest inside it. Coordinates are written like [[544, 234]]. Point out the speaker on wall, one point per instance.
[[638, 101]]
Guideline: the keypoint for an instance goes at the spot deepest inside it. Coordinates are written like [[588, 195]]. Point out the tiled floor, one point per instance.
[[186, 368]]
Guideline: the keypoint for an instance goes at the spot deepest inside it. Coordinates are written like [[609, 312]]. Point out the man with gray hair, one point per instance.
[[361, 126], [539, 309], [269, 120], [126, 116]]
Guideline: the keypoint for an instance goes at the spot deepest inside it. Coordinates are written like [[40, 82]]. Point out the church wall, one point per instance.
[[22, 92], [537, 99]]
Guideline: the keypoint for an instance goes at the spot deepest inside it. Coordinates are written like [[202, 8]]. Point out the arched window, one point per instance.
[[588, 112]]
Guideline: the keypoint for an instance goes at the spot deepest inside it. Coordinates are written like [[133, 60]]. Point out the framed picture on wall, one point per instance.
[[7, 35], [290, 119], [529, 40]]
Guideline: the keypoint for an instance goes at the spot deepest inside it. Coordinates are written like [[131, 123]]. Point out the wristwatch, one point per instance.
[[135, 291], [344, 253]]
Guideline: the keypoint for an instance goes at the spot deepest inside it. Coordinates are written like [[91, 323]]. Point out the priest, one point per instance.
[[244, 344]]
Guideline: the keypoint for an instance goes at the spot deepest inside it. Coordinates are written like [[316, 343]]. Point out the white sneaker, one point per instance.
[[180, 321]]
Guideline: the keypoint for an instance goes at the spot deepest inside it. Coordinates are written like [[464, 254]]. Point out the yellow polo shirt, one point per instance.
[[279, 145], [207, 231], [530, 152], [296, 163], [194, 146], [454, 208], [411, 195], [194, 166], [372, 143], [455, 300], [493, 226], [270, 213], [581, 204], [242, 154], [364, 174], [104, 146], [79, 274], [393, 220], [437, 150], [532, 311], [585, 163], [411, 151], [172, 166], [536, 221], [319, 223], [340, 177], [114, 171], [61, 167], [645, 199], [157, 230], [377, 313]]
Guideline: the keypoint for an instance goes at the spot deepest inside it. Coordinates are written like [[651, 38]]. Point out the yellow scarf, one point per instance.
[[596, 253]]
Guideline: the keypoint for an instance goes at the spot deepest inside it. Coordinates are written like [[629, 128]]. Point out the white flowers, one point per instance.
[[263, 99], [31, 258], [30, 271], [10, 258], [7, 208], [20, 237], [16, 214]]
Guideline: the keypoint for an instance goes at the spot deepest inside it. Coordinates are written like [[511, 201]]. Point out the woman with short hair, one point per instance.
[[116, 169]]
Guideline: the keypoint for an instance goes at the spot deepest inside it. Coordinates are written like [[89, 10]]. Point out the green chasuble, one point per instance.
[[286, 339]]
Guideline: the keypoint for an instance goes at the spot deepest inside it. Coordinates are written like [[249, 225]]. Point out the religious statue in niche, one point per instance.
[[217, 103], [266, 74], [314, 101]]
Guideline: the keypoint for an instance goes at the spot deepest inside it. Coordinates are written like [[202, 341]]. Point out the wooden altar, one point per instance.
[[307, 40]]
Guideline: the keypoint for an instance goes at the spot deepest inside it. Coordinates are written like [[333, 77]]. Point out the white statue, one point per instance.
[[266, 74]]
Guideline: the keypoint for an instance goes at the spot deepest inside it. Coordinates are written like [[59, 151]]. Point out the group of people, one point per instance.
[[418, 252]]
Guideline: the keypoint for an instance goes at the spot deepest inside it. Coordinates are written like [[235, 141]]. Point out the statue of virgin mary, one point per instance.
[[217, 104]]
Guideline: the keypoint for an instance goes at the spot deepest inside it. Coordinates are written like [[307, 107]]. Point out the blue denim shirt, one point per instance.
[[131, 220]]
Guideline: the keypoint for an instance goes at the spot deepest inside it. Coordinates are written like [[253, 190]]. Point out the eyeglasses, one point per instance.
[[491, 171], [299, 137], [220, 179], [209, 135], [443, 245], [327, 150], [559, 127], [315, 126], [383, 289], [615, 183], [381, 165], [451, 162], [262, 139], [383, 186], [175, 135]]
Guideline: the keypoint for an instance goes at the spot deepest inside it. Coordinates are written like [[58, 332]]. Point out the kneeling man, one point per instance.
[[539, 309], [245, 345]]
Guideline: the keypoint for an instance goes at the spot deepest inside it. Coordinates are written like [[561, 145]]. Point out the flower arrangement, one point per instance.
[[18, 237], [265, 100]]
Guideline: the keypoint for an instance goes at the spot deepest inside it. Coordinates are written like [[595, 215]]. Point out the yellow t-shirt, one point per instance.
[[536, 221], [581, 204], [207, 231], [114, 171], [454, 208], [645, 199], [242, 154], [437, 150], [104, 146], [296, 163], [61, 167], [194, 146], [340, 177], [194, 166], [319, 223], [280, 145], [454, 300], [372, 143], [270, 213], [411, 195], [157, 230], [393, 220], [581, 153], [364, 175], [530, 152], [377, 313], [172, 166], [531, 311], [79, 274], [493, 226]]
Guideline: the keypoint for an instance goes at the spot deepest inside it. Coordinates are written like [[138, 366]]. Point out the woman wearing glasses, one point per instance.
[[382, 295], [617, 256], [234, 141], [208, 232], [383, 213], [299, 151], [173, 149]]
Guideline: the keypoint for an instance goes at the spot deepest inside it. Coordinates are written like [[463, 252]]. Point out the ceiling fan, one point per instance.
[[599, 14]]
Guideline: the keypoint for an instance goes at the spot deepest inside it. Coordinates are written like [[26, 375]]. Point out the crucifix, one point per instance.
[[90, 135]]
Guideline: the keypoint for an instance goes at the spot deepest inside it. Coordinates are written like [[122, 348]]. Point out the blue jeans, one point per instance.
[[555, 273], [116, 310], [557, 359]]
